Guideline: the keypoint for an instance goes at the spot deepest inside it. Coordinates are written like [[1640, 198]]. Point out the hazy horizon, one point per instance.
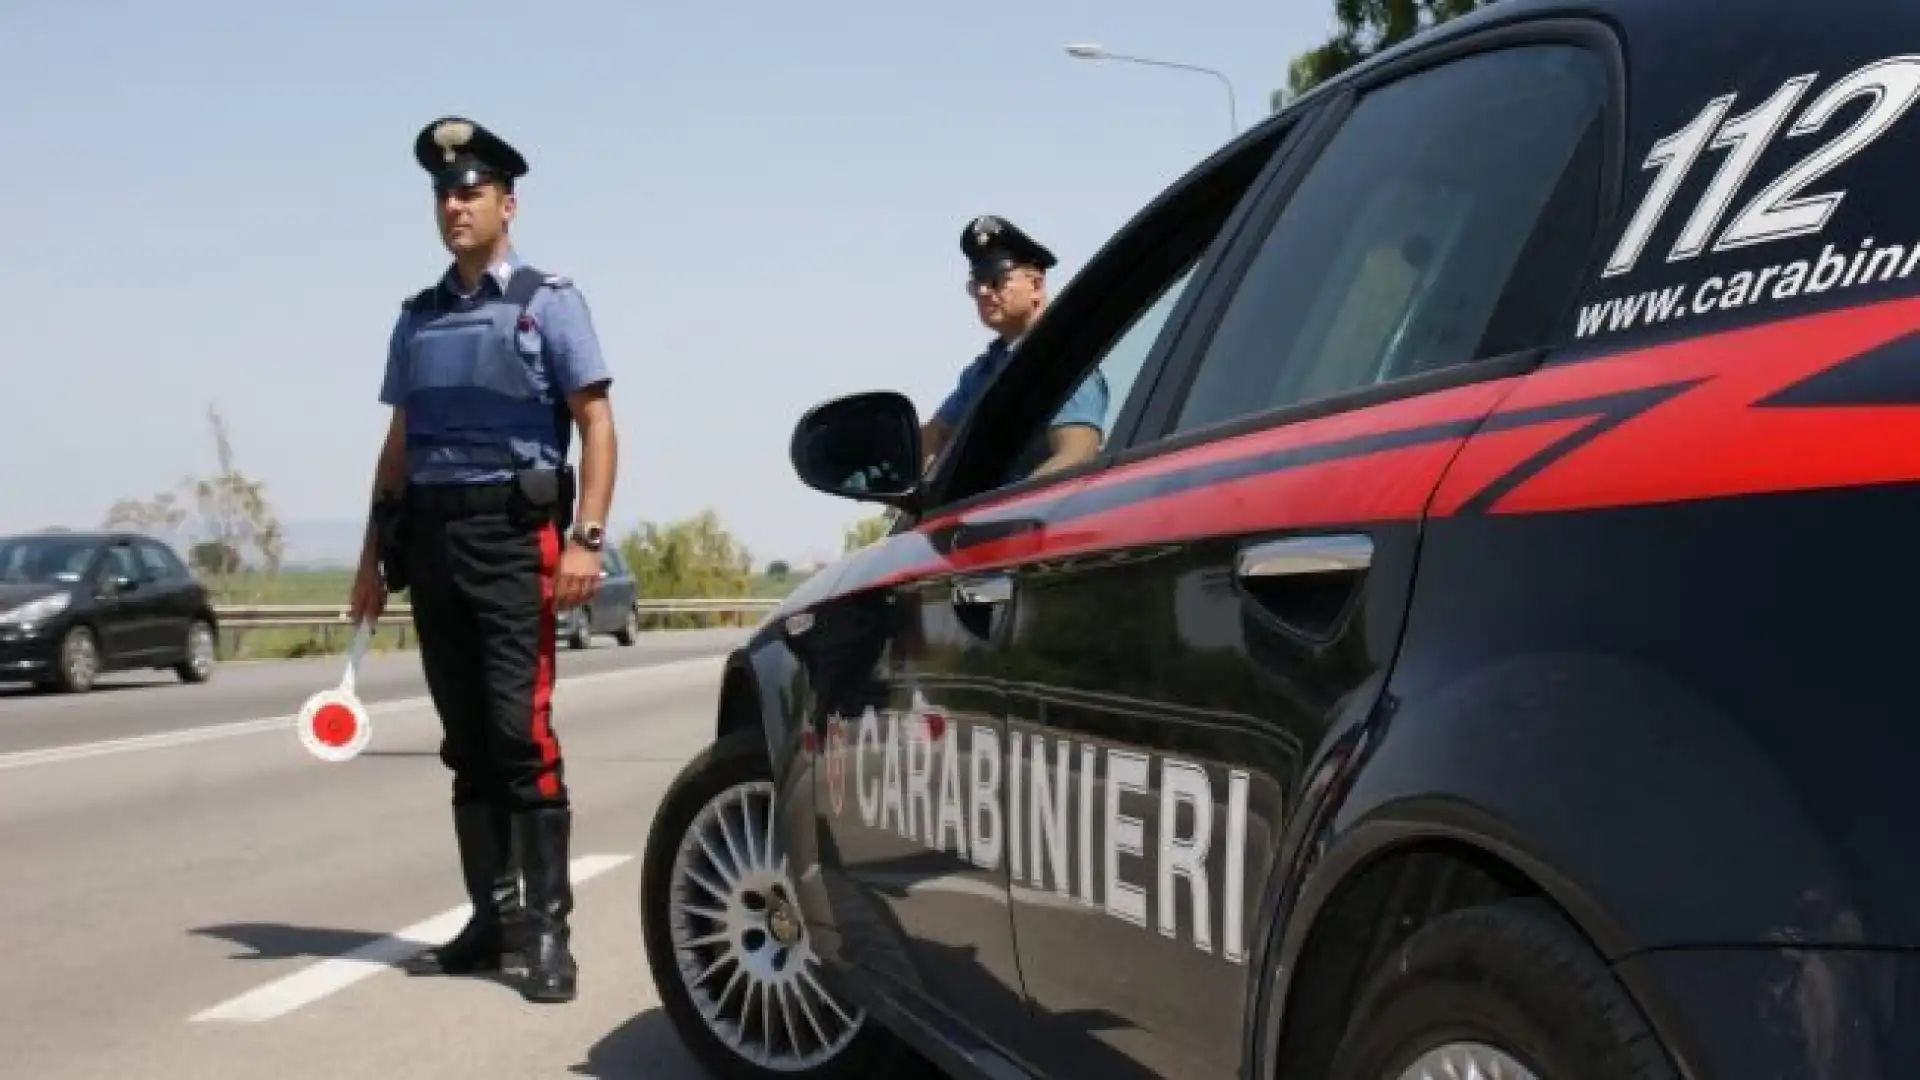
[[219, 204]]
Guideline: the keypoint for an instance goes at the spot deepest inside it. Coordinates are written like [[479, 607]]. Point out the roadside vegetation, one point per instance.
[[224, 525], [331, 587]]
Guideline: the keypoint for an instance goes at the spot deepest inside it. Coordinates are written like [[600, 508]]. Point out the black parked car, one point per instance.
[[610, 610], [76, 605], [1482, 648]]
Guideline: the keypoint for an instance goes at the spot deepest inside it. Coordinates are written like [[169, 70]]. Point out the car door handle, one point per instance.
[[1297, 555], [1307, 583], [982, 591]]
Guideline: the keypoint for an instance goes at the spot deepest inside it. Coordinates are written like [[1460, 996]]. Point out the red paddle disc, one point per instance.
[[335, 724]]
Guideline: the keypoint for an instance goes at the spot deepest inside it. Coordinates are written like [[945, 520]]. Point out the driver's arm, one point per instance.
[[1069, 445], [1074, 438], [939, 428]]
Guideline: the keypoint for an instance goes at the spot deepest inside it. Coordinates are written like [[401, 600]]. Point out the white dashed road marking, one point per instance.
[[316, 981], [380, 710]]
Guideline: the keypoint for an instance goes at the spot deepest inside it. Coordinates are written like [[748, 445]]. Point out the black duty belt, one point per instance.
[[458, 500]]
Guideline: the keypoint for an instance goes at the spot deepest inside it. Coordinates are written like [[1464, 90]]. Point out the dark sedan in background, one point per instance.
[[610, 610], [77, 605]]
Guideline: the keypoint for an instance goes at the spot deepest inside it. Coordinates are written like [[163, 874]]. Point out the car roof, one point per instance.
[[1660, 25], [91, 536]]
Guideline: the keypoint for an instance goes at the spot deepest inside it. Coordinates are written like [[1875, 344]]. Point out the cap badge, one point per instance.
[[450, 136]]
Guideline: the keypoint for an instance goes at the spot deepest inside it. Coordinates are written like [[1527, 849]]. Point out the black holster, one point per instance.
[[390, 539], [545, 495]]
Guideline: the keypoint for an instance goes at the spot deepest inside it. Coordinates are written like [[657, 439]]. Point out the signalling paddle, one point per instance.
[[333, 725]]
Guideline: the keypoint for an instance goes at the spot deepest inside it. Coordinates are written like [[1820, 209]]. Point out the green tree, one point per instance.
[[866, 531], [215, 559], [694, 558], [1366, 27], [218, 517], [778, 569]]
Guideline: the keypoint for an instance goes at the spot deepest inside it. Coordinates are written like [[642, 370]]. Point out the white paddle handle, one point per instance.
[[362, 639]]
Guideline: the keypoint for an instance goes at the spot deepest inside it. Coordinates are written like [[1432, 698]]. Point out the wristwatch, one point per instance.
[[589, 534]]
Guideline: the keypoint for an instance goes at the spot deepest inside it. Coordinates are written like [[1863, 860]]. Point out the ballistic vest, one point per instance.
[[481, 404]]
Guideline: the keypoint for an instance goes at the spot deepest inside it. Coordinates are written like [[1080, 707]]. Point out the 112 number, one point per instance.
[[1779, 211]]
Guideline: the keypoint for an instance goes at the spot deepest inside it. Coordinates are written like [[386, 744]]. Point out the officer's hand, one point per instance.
[[578, 577], [369, 594]]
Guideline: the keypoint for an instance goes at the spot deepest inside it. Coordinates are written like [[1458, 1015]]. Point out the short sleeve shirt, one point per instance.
[[559, 315], [1087, 406]]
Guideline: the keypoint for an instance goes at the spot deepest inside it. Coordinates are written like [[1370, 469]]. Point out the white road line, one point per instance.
[[316, 981], [54, 755]]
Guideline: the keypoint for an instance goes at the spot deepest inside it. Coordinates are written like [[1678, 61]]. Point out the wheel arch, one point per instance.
[[739, 708], [1385, 882], [758, 685], [1625, 796]]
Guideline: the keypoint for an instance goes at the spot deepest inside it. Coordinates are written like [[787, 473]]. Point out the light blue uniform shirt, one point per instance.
[[1088, 405], [559, 331]]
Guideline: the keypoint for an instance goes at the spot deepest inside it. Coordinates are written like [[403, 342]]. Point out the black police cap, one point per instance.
[[992, 243], [457, 152]]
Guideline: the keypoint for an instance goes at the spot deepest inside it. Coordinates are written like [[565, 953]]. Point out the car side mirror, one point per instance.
[[862, 446]]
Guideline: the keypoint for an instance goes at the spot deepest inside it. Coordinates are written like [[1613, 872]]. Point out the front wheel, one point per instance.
[[729, 952], [1508, 991], [198, 665], [79, 663]]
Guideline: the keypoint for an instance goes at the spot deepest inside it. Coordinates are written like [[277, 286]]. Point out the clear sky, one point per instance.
[[217, 201]]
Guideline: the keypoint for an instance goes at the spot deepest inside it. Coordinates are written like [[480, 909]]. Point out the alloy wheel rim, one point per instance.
[[739, 943], [81, 662], [200, 650], [1467, 1061]]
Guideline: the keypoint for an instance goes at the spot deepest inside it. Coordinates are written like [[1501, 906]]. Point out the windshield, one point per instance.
[[44, 559]]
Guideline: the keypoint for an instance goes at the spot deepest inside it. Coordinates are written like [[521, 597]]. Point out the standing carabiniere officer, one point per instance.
[[487, 372]]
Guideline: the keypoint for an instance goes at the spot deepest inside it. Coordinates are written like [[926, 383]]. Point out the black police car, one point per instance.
[[1483, 643], [77, 605]]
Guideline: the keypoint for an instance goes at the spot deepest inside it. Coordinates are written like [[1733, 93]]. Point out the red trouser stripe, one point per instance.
[[543, 669]]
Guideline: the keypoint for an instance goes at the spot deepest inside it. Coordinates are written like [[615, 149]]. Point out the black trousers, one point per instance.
[[482, 597]]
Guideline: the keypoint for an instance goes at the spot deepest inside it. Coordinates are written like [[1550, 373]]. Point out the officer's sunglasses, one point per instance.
[[994, 282]]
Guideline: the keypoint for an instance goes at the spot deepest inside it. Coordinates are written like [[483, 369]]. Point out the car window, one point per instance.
[[42, 560], [610, 561], [1449, 219], [160, 564], [1105, 392], [120, 562]]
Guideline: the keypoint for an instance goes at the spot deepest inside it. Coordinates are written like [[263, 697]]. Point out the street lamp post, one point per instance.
[[1099, 52]]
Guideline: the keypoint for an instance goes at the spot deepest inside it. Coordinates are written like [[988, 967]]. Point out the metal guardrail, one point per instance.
[[278, 616]]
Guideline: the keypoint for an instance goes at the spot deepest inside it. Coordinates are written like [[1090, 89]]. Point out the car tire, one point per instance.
[[1511, 988], [728, 777], [202, 651], [79, 661], [582, 636], [629, 631]]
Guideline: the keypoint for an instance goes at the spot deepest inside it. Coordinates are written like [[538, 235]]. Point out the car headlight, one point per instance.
[[39, 610]]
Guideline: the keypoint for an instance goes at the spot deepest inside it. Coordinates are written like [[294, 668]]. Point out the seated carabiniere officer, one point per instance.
[[1007, 279], [488, 371]]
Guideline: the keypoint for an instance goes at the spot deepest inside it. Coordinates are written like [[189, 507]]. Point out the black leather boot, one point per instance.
[[493, 887], [542, 837]]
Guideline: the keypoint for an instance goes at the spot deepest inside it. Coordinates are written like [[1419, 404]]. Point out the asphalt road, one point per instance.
[[198, 898], [145, 703]]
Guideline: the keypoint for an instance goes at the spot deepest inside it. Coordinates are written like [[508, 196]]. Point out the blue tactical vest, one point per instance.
[[480, 404]]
